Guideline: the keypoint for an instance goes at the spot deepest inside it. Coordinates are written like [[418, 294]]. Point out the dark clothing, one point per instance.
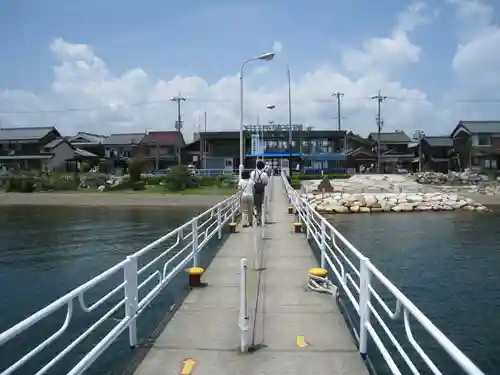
[[258, 200]]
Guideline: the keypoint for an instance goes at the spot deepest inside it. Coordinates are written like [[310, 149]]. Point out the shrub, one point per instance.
[[122, 185], [319, 177], [135, 168], [179, 178], [138, 185], [155, 180], [20, 184]]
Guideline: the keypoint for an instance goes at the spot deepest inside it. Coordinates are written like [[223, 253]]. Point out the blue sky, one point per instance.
[[209, 40]]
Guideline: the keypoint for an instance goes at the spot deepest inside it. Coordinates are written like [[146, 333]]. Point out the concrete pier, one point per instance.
[[297, 331]]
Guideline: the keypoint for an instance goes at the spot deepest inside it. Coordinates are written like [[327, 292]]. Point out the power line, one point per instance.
[[229, 101]]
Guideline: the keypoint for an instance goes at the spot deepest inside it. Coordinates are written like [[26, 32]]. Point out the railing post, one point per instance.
[[307, 221], [322, 245], [244, 320], [219, 222], [364, 309], [132, 298], [194, 230], [233, 208]]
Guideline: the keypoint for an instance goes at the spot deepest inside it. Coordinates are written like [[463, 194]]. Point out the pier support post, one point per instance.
[[364, 309], [322, 245], [132, 298], [244, 320], [219, 222], [194, 230]]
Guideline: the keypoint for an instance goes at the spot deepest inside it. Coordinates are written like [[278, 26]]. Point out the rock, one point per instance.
[[469, 208], [414, 198], [325, 186], [340, 209], [364, 209], [354, 208]]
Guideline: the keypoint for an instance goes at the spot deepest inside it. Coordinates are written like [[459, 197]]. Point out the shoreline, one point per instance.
[[71, 199]]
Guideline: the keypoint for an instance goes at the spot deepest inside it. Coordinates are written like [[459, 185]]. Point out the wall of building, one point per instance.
[[62, 153]]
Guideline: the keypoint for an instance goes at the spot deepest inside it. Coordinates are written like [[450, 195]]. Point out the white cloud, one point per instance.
[[477, 57], [277, 46], [389, 54], [135, 101]]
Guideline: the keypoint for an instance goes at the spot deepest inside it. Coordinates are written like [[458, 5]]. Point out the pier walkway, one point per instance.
[[296, 331]]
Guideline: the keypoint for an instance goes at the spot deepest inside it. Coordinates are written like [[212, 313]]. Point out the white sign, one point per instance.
[[273, 128], [255, 148]]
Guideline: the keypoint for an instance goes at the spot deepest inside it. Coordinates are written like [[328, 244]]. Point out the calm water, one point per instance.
[[447, 263], [46, 252]]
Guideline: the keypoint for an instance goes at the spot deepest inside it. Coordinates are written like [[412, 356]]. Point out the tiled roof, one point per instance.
[[481, 126], [84, 153], [124, 139], [394, 137], [443, 141], [164, 138], [55, 142], [92, 138], [21, 134]]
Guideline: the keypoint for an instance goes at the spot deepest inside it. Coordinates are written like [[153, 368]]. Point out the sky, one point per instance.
[[111, 66]]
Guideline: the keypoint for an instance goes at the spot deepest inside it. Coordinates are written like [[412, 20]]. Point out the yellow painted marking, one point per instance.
[[187, 366], [301, 342]]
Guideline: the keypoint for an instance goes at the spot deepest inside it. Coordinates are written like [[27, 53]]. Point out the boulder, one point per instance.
[[325, 186]]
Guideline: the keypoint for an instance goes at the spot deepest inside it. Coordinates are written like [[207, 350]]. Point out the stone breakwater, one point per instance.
[[333, 203]]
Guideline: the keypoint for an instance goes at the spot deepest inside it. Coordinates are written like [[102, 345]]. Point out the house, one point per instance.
[[477, 144], [64, 153], [22, 148], [120, 148], [437, 153], [93, 143], [162, 149], [359, 153], [394, 152]]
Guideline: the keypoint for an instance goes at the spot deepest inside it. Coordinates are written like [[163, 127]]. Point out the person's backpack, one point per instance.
[[259, 186]]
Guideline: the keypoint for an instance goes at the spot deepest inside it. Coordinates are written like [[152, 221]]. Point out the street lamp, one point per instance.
[[265, 57]]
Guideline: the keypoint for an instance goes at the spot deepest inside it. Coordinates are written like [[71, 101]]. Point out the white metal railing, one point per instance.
[[183, 246], [355, 281], [246, 318]]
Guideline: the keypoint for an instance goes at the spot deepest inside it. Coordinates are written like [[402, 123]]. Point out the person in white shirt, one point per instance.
[[260, 180], [245, 185]]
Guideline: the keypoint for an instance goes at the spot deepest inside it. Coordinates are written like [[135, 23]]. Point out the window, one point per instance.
[[484, 140], [494, 164]]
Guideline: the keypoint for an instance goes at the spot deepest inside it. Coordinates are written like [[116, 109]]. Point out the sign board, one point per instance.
[[272, 128], [255, 146]]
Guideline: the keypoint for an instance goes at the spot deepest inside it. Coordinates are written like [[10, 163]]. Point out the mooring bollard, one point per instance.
[[298, 227], [318, 272], [232, 227], [194, 274]]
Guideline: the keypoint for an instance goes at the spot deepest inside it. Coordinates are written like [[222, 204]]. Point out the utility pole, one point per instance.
[[205, 119], [178, 123], [379, 99], [338, 95], [289, 122]]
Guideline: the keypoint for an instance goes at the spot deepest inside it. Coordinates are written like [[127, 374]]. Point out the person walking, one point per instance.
[[246, 186], [260, 180]]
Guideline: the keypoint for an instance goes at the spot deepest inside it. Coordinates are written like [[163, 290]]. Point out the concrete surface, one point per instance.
[[205, 327]]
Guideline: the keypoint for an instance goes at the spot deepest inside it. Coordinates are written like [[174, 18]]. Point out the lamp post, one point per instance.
[[266, 57]]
